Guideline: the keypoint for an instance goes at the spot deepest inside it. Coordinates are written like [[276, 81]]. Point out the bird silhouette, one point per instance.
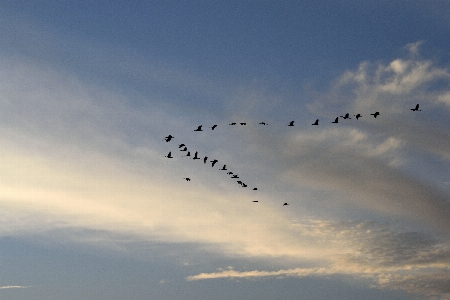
[[244, 185], [346, 116], [224, 168], [316, 122], [285, 204], [235, 176], [187, 179], [232, 124], [243, 123], [230, 173], [336, 120], [291, 123], [168, 138], [169, 155], [255, 201], [213, 162], [375, 114], [184, 149], [263, 123], [199, 128], [358, 116], [205, 159], [240, 182], [181, 145], [416, 108], [214, 126], [189, 153], [255, 189], [195, 155]]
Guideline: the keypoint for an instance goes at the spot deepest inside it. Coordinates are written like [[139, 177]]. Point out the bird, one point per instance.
[[187, 179], [195, 155], [189, 153], [240, 182], [232, 124], [336, 120], [358, 116], [243, 123], [230, 173], [375, 114], [346, 116], [169, 155], [255, 189], [199, 128], [181, 145], [244, 185], [184, 149], [235, 176], [291, 123], [169, 138], [214, 126], [205, 159], [416, 108], [224, 168], [255, 201], [316, 122], [285, 204], [213, 162], [263, 123]]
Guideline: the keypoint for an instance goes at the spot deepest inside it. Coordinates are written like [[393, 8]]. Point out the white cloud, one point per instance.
[[14, 287]]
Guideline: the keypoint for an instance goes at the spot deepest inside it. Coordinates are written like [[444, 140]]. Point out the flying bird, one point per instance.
[[195, 155], [213, 162], [291, 123], [416, 108], [336, 120], [181, 145], [243, 123], [358, 116], [184, 149], [224, 168], [199, 128], [230, 173], [205, 159], [244, 185], [285, 204], [214, 126], [169, 155], [255, 189], [189, 153], [375, 114], [316, 122], [235, 176], [187, 179], [263, 123], [255, 201], [346, 116], [169, 138], [232, 124]]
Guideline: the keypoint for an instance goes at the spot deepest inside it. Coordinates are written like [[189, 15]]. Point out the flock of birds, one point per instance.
[[183, 147]]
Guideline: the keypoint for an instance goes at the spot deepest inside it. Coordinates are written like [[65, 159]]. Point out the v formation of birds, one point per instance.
[[232, 175]]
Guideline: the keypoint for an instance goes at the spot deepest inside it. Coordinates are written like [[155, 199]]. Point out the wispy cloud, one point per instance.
[[15, 287]]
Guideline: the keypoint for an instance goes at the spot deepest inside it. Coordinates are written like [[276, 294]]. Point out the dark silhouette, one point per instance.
[[189, 153], [263, 123], [358, 116], [205, 159], [195, 155], [336, 120], [285, 204], [232, 124], [255, 201], [224, 168], [235, 176], [346, 116], [416, 108], [291, 123], [240, 182], [169, 155], [230, 173], [255, 189], [187, 179], [168, 138], [184, 149], [213, 162], [181, 145], [243, 123], [199, 128], [214, 126], [244, 185], [316, 122], [375, 114]]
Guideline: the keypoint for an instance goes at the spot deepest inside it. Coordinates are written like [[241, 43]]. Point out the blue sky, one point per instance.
[[92, 209]]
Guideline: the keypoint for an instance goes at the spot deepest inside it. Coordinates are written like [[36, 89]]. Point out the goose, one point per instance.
[[195, 155], [316, 122], [224, 168], [213, 162], [214, 126], [285, 204], [205, 159], [169, 155], [346, 116], [168, 138], [291, 123], [416, 108], [358, 116], [336, 120], [187, 179], [375, 114], [199, 128]]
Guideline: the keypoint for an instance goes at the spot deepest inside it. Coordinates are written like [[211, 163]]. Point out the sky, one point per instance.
[[91, 207]]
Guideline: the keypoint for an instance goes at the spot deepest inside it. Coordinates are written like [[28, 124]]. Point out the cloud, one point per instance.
[[14, 287], [390, 259]]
